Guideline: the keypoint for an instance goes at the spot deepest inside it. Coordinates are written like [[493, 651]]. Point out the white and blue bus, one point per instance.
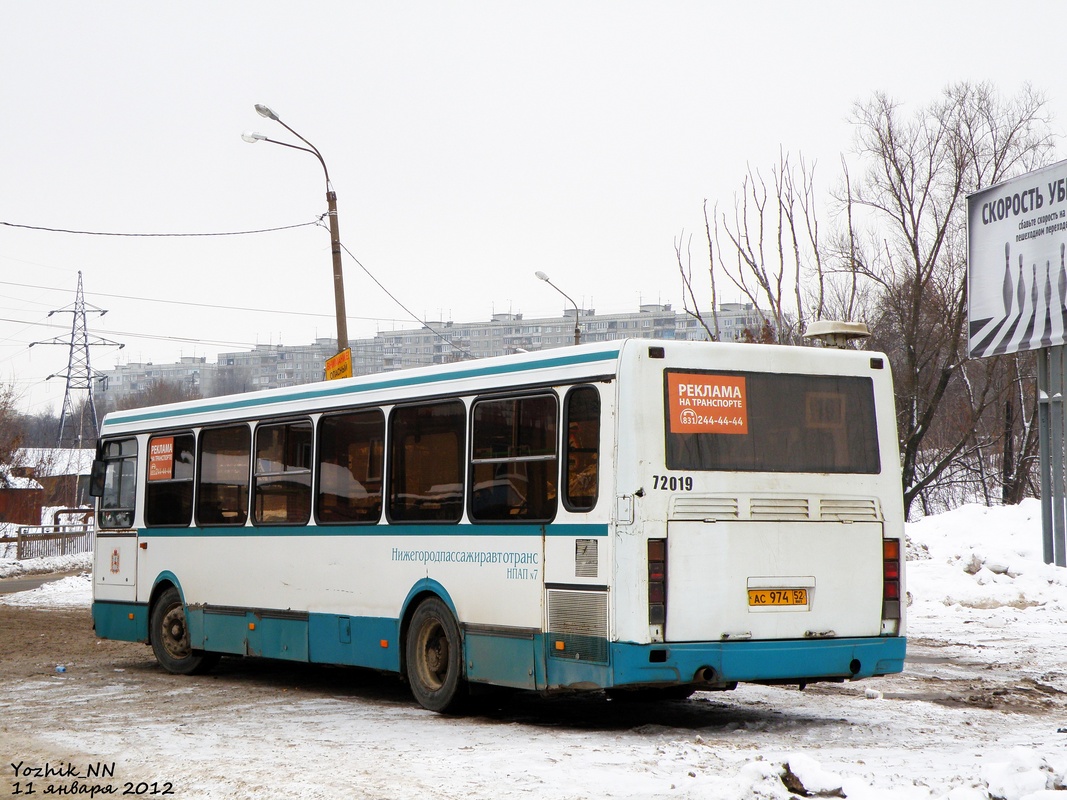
[[640, 516]]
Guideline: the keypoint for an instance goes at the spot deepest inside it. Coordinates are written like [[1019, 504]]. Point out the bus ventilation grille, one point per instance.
[[851, 508], [578, 625], [701, 507], [585, 558], [723, 508], [778, 508]]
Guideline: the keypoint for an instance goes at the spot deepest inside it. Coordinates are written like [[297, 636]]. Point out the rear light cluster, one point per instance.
[[891, 579], [657, 582]]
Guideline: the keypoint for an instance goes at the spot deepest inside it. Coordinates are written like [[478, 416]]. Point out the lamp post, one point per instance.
[[577, 330], [331, 202]]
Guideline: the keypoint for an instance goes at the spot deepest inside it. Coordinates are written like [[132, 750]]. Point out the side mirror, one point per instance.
[[96, 478]]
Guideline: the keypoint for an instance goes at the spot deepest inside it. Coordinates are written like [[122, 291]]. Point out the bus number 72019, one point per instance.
[[673, 483]]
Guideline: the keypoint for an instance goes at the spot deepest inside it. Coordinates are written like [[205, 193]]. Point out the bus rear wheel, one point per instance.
[[434, 658], [169, 634]]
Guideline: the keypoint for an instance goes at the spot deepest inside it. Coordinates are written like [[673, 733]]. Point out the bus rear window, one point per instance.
[[766, 422]]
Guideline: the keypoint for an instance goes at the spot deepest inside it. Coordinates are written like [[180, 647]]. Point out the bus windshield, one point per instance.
[[766, 422]]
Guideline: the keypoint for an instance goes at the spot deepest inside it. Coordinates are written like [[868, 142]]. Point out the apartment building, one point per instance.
[[270, 366]]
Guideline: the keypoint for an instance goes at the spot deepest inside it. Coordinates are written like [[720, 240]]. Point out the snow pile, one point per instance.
[[12, 568], [1025, 776], [994, 559], [74, 591]]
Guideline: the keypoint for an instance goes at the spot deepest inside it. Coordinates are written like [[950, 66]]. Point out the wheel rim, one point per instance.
[[433, 655], [174, 635]]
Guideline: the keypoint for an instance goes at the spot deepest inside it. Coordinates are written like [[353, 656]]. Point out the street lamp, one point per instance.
[[577, 330], [331, 202]]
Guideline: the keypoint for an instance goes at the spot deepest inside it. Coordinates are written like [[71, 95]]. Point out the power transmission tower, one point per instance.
[[72, 423]]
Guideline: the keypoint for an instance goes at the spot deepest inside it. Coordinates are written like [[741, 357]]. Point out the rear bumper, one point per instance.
[[793, 661]]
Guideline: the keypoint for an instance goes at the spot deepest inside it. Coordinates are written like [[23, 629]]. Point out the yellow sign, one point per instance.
[[339, 366], [777, 597]]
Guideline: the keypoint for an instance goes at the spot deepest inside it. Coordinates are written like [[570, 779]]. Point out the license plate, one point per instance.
[[777, 597]]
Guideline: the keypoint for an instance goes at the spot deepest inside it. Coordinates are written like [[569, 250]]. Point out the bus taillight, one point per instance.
[[890, 584], [657, 584]]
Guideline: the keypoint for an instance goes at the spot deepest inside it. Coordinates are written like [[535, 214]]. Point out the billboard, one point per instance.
[[1016, 275]]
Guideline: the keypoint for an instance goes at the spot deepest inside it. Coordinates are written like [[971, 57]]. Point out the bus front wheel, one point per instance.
[[434, 658], [169, 634]]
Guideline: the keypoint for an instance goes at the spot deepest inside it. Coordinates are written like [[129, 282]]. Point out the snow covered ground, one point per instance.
[[985, 611], [10, 568]]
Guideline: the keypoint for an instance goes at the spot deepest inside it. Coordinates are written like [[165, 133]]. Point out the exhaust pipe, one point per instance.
[[705, 675]]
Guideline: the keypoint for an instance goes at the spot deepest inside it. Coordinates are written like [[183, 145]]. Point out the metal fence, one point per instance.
[[58, 539]]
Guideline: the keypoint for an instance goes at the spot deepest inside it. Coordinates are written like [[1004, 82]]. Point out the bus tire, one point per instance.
[[169, 634], [434, 658]]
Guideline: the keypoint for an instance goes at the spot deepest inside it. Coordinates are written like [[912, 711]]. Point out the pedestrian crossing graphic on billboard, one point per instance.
[[1017, 267]]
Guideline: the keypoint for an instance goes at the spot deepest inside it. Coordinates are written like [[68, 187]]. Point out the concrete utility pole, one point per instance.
[[331, 204]]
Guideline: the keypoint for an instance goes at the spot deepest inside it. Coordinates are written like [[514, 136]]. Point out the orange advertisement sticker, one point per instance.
[[702, 403], [161, 459]]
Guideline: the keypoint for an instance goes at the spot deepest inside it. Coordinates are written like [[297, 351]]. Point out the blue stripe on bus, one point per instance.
[[241, 402], [445, 529], [372, 642], [513, 660]]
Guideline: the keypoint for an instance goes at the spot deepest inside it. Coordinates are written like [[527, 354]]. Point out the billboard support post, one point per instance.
[[1051, 391]]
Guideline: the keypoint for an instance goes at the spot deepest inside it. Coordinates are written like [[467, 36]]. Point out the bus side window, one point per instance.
[[282, 487], [350, 451], [426, 462], [222, 485], [120, 484], [581, 454], [169, 490], [514, 461]]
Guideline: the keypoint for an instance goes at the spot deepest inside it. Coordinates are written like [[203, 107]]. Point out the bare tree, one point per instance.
[[772, 253], [156, 393], [896, 259], [11, 430], [690, 300], [921, 167], [1007, 433], [774, 242]]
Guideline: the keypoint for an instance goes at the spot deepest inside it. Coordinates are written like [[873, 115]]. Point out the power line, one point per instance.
[[392, 297], [286, 312], [157, 235], [134, 335], [317, 222]]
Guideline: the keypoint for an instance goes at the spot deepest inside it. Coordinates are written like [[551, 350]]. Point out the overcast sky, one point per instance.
[[470, 144]]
